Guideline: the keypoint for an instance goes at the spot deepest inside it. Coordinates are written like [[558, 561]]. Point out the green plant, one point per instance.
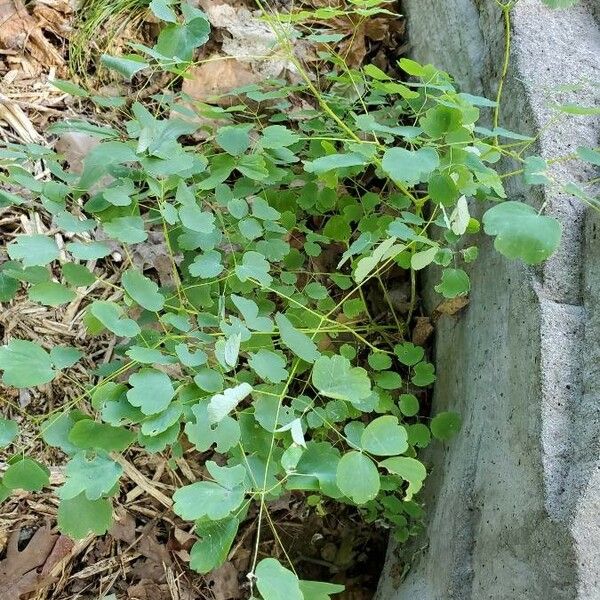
[[262, 352]]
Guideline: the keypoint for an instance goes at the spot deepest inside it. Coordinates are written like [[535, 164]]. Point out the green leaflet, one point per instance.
[[384, 437], [269, 366], [33, 250], [408, 167], [275, 582], [143, 290], [25, 364], [221, 405], [334, 161], [110, 315], [216, 538], [455, 282], [409, 469], [127, 67], [207, 499], [357, 477], [234, 139], [299, 343], [334, 377], [92, 475], [90, 434], [77, 517], [521, 232], [26, 474], [445, 425], [249, 310], [225, 433], [151, 391], [51, 293], [9, 430]]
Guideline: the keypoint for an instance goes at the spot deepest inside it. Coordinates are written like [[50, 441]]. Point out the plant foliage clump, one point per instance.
[[260, 351]]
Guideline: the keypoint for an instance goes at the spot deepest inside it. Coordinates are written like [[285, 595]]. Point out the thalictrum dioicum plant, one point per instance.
[[259, 352]]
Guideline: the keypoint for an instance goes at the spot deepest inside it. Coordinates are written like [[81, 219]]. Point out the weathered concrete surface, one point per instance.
[[513, 501]]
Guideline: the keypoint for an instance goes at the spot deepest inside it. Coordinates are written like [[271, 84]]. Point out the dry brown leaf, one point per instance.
[[146, 543], [224, 582], [217, 76], [154, 254], [377, 29], [179, 539], [20, 31], [148, 570], [422, 330], [20, 571], [451, 306], [354, 48], [148, 590], [53, 18], [154, 550], [123, 528], [248, 39], [75, 146], [63, 548]]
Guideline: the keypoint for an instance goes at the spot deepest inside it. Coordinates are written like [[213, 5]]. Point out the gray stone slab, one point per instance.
[[513, 502]]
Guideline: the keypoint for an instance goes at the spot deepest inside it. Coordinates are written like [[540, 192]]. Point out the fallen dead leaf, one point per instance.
[[354, 48], [20, 572], [54, 17], [217, 76], [123, 528], [146, 542], [248, 39], [451, 306], [154, 254], [75, 146], [180, 543], [148, 590], [20, 31], [422, 330], [224, 582], [154, 550], [63, 548]]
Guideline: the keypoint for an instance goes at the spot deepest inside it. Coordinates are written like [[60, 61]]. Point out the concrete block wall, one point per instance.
[[513, 502]]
